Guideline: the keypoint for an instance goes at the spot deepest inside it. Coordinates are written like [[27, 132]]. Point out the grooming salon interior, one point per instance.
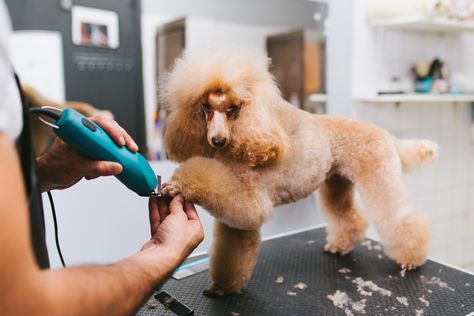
[[405, 66]]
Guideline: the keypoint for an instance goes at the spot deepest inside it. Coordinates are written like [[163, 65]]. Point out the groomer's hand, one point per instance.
[[174, 226], [61, 166]]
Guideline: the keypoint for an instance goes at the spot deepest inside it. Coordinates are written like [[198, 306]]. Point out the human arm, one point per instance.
[[61, 166], [116, 289]]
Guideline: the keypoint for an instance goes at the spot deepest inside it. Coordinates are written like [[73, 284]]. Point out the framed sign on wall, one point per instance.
[[94, 27]]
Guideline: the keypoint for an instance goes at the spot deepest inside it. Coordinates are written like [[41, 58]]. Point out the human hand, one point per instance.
[[61, 166], [174, 226]]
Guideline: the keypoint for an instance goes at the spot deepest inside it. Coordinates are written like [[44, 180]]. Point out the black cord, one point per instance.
[[48, 112], [56, 237]]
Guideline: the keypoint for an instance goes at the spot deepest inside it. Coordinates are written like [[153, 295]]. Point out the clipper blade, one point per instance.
[[157, 191]]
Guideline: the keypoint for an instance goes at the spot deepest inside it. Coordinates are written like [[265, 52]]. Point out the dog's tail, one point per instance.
[[416, 153]]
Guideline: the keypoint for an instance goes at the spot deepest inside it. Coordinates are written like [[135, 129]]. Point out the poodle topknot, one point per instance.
[[244, 150]]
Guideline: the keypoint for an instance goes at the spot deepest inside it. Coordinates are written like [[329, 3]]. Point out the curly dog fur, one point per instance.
[[244, 150]]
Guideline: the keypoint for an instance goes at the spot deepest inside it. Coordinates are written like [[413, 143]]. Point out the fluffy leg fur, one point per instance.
[[346, 224], [404, 230], [234, 255], [221, 193]]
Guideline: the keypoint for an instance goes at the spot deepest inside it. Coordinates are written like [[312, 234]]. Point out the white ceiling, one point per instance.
[[289, 13]]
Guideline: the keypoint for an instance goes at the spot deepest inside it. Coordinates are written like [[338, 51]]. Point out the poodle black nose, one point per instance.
[[218, 141]]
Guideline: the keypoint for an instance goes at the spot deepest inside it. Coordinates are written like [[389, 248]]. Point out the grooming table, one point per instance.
[[433, 289]]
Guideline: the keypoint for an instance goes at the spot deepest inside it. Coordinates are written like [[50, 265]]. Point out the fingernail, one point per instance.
[[135, 146], [117, 167], [122, 140]]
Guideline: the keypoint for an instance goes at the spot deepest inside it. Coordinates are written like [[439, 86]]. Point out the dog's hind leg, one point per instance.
[[404, 231], [346, 224], [233, 258]]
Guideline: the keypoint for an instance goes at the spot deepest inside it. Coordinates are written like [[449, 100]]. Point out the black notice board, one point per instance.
[[107, 78]]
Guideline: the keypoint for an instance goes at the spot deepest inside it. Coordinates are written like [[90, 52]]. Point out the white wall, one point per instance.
[[339, 58], [150, 23], [444, 192], [291, 13], [204, 32]]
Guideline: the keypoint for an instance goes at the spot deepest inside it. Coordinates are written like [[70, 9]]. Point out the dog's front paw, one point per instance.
[[332, 248], [215, 291], [408, 266], [170, 188]]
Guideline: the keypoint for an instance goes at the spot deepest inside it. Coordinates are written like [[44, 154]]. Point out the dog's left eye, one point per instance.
[[232, 109], [206, 107]]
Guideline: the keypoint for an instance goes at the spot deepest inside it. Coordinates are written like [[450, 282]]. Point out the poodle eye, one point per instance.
[[232, 109], [206, 107]]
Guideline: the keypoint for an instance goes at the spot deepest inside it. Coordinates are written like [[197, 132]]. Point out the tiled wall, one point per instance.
[[444, 192]]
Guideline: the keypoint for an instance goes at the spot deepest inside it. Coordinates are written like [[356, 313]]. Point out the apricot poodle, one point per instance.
[[244, 150]]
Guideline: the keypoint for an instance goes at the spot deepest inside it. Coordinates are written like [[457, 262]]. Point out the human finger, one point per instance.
[[129, 142], [190, 211], [112, 128], [102, 168], [163, 208], [154, 214], [177, 204]]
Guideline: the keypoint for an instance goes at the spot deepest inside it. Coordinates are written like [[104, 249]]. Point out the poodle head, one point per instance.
[[223, 103]]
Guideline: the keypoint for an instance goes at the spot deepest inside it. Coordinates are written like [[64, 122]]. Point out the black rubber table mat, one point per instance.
[[433, 289]]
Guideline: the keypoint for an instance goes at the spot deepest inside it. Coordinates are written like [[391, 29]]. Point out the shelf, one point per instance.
[[424, 24], [417, 98], [318, 97]]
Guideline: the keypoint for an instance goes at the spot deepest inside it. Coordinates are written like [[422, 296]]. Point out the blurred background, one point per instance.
[[405, 65]]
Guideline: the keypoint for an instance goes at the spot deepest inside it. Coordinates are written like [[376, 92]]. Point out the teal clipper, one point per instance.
[[92, 141]]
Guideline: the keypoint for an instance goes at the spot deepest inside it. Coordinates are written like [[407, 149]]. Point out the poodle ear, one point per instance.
[[257, 136], [185, 135]]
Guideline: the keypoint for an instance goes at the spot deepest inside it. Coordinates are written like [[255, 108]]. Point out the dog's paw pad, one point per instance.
[[214, 291], [171, 189]]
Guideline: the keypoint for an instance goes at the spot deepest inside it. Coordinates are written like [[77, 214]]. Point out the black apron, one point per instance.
[[33, 191]]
